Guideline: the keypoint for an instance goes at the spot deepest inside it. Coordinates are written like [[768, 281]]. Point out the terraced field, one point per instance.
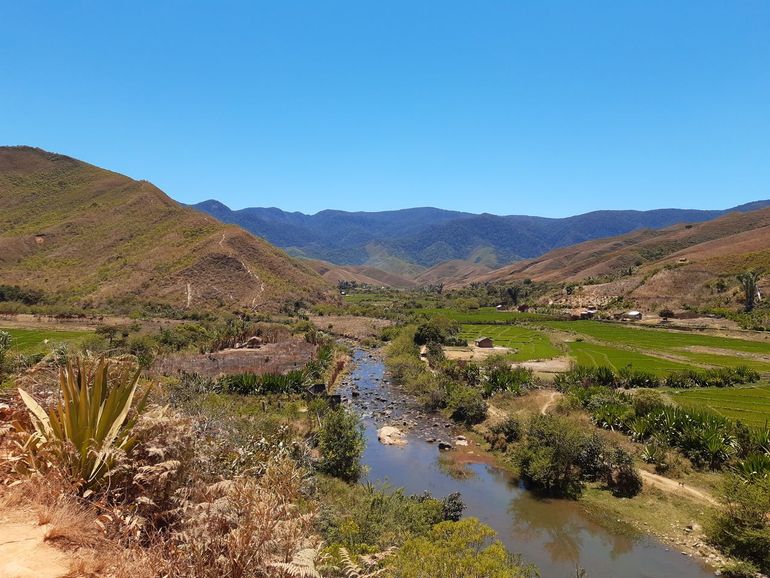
[[749, 404], [28, 341], [596, 355], [677, 343], [529, 343]]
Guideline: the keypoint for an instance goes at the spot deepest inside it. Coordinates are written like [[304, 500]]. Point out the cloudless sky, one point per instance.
[[511, 107]]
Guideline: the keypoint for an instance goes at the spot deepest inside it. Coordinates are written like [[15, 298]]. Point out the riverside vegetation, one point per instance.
[[556, 455], [245, 475]]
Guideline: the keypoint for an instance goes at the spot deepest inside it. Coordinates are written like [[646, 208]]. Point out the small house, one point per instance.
[[632, 315], [484, 342]]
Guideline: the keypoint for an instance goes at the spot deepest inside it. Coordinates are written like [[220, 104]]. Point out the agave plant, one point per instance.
[[754, 466], [90, 423]]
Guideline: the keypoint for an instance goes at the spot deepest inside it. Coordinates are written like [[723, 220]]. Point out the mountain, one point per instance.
[[86, 235], [675, 266], [409, 241]]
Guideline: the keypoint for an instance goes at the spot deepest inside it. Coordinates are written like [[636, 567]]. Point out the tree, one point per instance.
[[748, 281], [665, 314], [341, 443]]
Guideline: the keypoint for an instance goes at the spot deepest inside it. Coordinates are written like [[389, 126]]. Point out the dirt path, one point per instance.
[[24, 552], [550, 401], [674, 487]]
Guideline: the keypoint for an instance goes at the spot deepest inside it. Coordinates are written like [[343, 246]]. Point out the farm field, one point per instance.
[[529, 343], [28, 341], [749, 404], [596, 355], [649, 341]]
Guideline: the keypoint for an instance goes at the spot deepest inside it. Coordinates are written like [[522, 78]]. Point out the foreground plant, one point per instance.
[[89, 425]]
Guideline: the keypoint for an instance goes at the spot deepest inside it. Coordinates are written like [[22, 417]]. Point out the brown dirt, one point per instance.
[[349, 325], [24, 553], [675, 487]]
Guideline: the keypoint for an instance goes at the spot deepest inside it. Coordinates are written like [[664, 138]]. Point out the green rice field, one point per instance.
[[28, 341], [602, 355], [529, 343], [749, 404]]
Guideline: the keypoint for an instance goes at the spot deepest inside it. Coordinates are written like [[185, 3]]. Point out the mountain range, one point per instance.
[[408, 242]]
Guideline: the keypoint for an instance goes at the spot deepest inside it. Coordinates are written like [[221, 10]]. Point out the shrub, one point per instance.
[[624, 479], [742, 528], [457, 550], [549, 460], [467, 405], [500, 376], [341, 443], [89, 426]]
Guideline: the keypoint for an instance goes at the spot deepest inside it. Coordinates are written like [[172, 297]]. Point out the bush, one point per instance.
[[500, 376], [467, 405], [742, 528], [341, 443], [457, 550], [549, 460], [624, 479]]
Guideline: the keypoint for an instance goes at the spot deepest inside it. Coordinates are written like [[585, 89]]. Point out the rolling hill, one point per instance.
[[88, 236], [409, 241], [677, 266]]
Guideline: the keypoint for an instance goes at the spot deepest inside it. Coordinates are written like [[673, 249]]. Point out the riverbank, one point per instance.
[[556, 535]]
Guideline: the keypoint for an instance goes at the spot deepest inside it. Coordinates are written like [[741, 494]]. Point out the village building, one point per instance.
[[484, 342]]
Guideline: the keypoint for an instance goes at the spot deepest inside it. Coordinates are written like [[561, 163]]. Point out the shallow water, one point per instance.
[[555, 535]]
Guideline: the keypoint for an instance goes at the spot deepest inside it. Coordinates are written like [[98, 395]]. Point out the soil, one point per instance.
[[24, 553]]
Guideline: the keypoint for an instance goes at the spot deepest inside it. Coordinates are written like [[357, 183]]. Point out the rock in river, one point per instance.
[[391, 436]]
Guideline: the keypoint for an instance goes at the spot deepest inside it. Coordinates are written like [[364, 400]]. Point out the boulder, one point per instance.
[[391, 436], [442, 445]]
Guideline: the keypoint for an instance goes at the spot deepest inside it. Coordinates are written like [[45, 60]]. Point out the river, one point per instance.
[[555, 535]]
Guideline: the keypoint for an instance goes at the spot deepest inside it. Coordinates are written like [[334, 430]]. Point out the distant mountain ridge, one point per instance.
[[410, 240]]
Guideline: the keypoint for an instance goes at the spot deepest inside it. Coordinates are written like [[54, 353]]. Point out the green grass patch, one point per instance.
[[749, 404], [595, 355], [28, 341], [529, 343]]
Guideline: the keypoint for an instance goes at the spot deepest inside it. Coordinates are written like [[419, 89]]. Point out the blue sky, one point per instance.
[[528, 107]]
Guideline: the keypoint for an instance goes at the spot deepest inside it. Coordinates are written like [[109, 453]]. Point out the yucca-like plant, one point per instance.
[[90, 423]]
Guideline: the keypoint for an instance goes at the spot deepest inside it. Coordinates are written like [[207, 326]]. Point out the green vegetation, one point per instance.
[[341, 443], [595, 355], [30, 341], [527, 343], [742, 527], [88, 426], [749, 404]]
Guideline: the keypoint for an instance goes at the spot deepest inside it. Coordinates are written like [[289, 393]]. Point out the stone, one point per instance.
[[391, 436], [442, 445]]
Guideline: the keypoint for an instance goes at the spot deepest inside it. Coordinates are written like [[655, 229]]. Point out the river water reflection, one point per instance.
[[555, 535]]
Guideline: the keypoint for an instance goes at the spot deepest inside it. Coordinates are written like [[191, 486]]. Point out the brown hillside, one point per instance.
[[676, 265], [85, 235], [362, 274]]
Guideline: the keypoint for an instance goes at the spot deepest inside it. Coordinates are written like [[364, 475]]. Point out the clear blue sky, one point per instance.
[[538, 107]]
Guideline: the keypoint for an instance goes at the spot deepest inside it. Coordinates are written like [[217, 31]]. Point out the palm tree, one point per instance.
[[748, 281]]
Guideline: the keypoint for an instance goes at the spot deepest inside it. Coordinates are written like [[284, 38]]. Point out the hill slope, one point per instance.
[[411, 240], [82, 234], [675, 266]]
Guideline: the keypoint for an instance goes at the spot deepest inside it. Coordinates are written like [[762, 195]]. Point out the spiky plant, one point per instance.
[[748, 281], [89, 424]]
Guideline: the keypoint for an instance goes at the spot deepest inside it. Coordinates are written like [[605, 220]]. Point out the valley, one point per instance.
[[597, 406]]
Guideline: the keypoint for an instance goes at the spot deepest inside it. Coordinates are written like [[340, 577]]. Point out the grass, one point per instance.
[[529, 343], [749, 404], [27, 341], [596, 355]]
